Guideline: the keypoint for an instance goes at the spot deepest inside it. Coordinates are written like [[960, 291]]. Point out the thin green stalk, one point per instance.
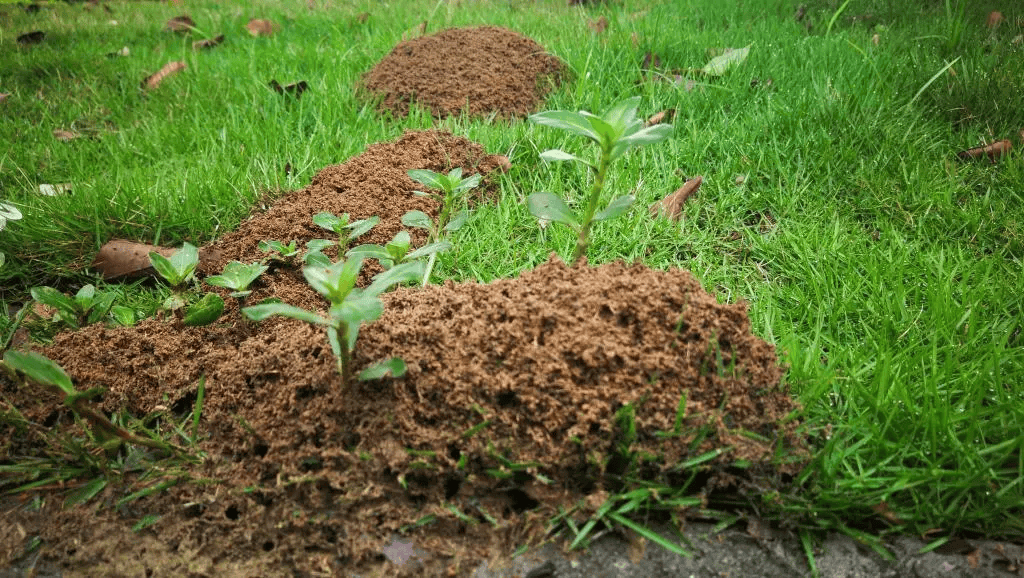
[[583, 241]]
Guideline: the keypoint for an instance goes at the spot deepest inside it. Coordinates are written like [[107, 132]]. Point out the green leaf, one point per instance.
[[721, 64], [622, 114], [334, 281], [84, 297], [360, 227], [457, 221], [265, 310], [331, 222], [65, 305], [205, 311], [573, 122], [551, 207], [649, 135], [39, 369], [427, 178], [615, 208], [124, 316], [401, 273], [100, 307], [368, 252], [354, 312], [85, 493], [237, 275], [608, 134], [316, 259], [556, 155], [417, 219], [394, 367], [398, 247], [438, 247], [176, 269], [467, 184]]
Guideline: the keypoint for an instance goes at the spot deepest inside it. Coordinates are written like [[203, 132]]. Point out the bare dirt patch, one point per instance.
[[482, 71]]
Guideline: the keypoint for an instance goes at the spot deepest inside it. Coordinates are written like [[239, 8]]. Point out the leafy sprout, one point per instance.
[[176, 270], [451, 218], [340, 225], [87, 306], [614, 132], [397, 250], [286, 253]]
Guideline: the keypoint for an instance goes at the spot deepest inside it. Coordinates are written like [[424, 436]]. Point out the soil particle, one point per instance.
[[557, 375], [483, 70]]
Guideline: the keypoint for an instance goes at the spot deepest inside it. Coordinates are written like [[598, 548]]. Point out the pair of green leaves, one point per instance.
[[397, 250], [451, 184], [177, 268], [551, 207], [237, 277], [87, 306]]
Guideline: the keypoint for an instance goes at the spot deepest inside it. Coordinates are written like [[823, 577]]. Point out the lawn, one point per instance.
[[885, 268]]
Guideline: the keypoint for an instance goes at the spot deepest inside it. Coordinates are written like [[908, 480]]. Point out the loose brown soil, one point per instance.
[[305, 475], [482, 71]]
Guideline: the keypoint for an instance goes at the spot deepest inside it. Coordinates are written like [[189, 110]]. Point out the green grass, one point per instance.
[[888, 273]]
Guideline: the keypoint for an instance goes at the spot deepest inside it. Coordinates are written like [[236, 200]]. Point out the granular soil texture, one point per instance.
[[523, 396], [482, 71]]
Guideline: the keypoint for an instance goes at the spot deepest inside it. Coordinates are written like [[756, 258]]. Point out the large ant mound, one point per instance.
[[523, 397], [482, 71]]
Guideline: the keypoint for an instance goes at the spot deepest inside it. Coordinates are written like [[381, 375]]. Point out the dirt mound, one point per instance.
[[523, 396], [484, 70]]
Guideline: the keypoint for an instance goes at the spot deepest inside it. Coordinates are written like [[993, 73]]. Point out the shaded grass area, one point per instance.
[[888, 272]]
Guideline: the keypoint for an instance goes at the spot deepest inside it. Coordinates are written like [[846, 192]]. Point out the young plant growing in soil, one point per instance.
[[87, 306], [176, 270], [397, 250], [350, 308], [284, 253], [340, 226], [615, 132], [237, 277], [453, 189]]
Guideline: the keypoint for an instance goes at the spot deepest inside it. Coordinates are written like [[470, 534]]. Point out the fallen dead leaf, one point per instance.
[[672, 205], [54, 190], [123, 52], [875, 40], [634, 39], [993, 151], [208, 42], [34, 37], [169, 69], [661, 117], [124, 258], [995, 18], [65, 135], [974, 558], [4, 95], [181, 24], [295, 89], [502, 162], [599, 25], [882, 509], [260, 27], [362, 17], [1017, 40], [651, 61]]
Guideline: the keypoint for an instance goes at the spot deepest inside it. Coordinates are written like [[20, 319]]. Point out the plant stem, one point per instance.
[[583, 241], [430, 267]]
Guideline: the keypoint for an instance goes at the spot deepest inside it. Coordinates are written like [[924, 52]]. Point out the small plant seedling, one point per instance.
[[278, 251], [176, 270], [453, 193], [346, 231], [350, 308], [615, 132], [237, 276], [314, 252], [87, 306], [397, 250]]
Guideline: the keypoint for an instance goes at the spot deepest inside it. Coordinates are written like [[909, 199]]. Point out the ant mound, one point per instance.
[[523, 398], [483, 70]]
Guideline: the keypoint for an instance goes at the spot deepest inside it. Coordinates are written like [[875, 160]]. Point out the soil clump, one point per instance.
[[523, 396], [483, 71]]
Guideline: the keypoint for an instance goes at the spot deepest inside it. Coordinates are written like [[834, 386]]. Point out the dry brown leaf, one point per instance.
[[34, 37], [169, 69], [993, 151], [4, 95], [599, 25], [875, 40], [123, 258], [882, 509], [295, 89], [995, 18], [362, 17], [672, 205], [974, 558], [181, 24], [634, 39], [260, 27], [502, 162], [208, 42], [65, 135], [661, 117]]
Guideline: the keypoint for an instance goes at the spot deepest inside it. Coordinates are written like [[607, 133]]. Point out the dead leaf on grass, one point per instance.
[[362, 17], [599, 25], [974, 558], [260, 27], [124, 258], [34, 37], [501, 162], [4, 95], [882, 509], [181, 24], [664, 116], [726, 59], [169, 69], [65, 135], [54, 190], [875, 39], [295, 89], [672, 205], [995, 18], [993, 151], [123, 52], [208, 42]]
